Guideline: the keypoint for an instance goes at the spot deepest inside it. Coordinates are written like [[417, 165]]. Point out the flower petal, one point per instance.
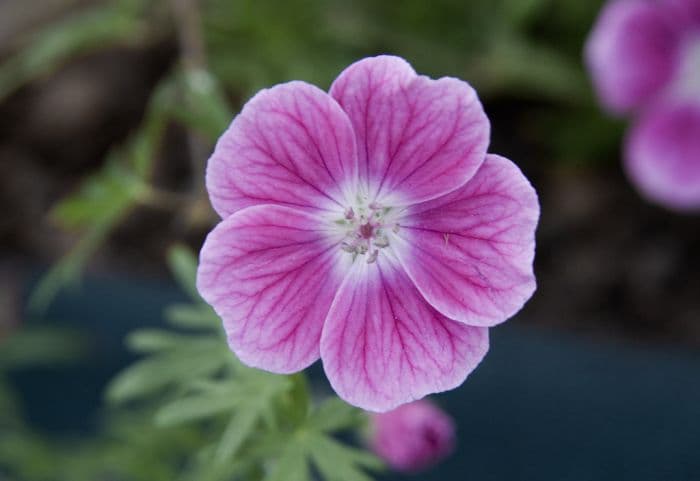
[[417, 137], [663, 155], [271, 273], [687, 12], [632, 53], [291, 145], [383, 345], [470, 252]]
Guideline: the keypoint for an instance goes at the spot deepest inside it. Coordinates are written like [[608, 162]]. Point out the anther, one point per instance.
[[349, 213]]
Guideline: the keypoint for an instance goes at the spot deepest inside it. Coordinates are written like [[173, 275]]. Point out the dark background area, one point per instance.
[[595, 379]]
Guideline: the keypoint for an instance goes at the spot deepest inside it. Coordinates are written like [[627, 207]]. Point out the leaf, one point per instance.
[[105, 198], [334, 414], [186, 410], [193, 316], [67, 270], [205, 108], [174, 367], [338, 462], [154, 340], [292, 464], [238, 430], [183, 265]]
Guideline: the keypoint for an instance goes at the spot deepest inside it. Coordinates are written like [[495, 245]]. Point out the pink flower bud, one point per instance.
[[413, 437]]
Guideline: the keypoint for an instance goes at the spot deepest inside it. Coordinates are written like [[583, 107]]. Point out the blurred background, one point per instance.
[[108, 111]]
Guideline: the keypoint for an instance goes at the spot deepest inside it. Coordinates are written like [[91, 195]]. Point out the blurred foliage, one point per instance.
[[188, 410], [522, 50]]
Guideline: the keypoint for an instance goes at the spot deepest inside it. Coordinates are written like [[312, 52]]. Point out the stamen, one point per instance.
[[366, 229], [373, 257], [381, 242]]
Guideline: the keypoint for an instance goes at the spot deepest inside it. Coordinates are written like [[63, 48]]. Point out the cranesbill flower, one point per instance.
[[644, 58], [412, 437], [367, 226]]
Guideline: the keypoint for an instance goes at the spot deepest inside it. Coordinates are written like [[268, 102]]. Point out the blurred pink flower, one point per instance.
[[412, 437], [644, 58], [367, 227]]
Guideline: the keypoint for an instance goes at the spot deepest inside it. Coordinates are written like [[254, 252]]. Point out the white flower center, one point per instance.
[[368, 228]]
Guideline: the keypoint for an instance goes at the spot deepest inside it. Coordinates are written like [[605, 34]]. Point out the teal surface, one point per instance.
[[542, 406]]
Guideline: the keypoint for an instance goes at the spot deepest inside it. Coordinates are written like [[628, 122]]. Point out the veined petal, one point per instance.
[[271, 273], [383, 345], [418, 138], [290, 145], [632, 53], [663, 155], [470, 252]]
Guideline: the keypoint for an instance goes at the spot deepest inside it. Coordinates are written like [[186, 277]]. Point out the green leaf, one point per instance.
[[205, 108], [193, 316], [106, 197], [190, 409], [237, 432], [292, 464], [334, 414], [338, 462], [154, 340], [67, 270], [172, 368], [183, 265]]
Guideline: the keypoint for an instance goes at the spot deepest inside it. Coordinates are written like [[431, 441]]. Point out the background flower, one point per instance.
[[412, 437], [644, 58]]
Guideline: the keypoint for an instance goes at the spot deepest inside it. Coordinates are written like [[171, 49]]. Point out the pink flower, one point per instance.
[[413, 436], [644, 57], [367, 227]]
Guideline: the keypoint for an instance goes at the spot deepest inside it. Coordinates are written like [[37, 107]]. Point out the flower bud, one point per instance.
[[412, 437]]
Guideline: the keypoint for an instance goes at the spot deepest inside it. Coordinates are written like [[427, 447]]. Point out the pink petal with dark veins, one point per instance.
[[383, 345], [470, 252], [632, 53], [290, 145], [663, 155], [418, 138], [271, 272]]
